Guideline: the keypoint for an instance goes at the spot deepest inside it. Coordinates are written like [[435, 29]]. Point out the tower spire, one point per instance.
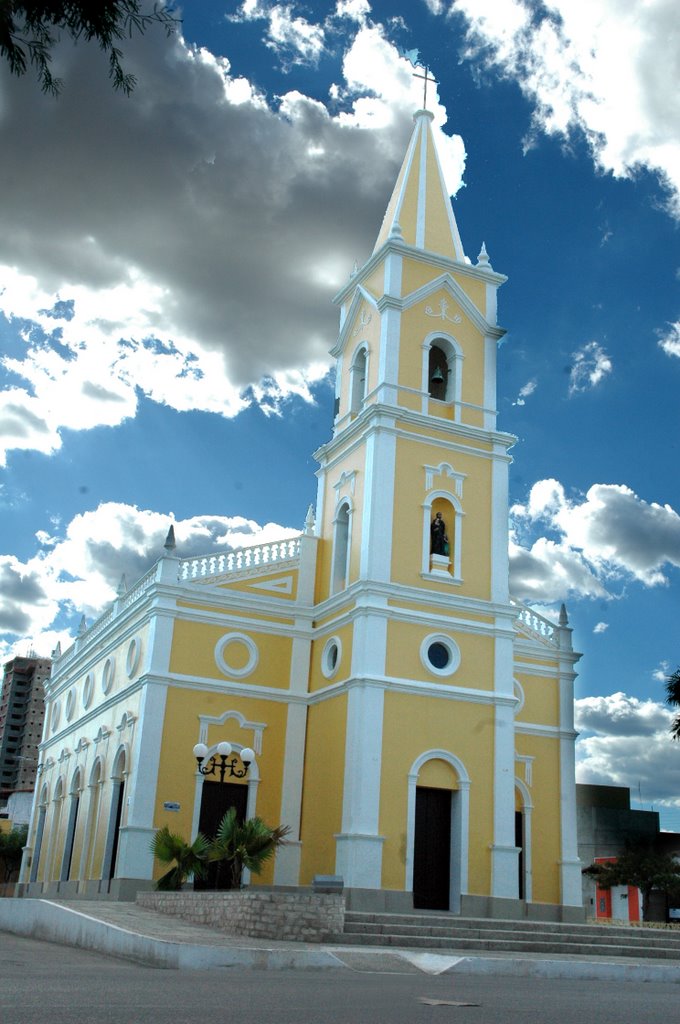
[[420, 204]]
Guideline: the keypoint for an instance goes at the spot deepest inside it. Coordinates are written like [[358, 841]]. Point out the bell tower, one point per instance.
[[412, 503]]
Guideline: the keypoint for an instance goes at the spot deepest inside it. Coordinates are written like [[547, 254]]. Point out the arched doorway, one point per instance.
[[71, 827], [115, 817], [437, 831]]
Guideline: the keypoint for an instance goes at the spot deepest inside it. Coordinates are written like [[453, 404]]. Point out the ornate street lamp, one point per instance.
[[224, 767]]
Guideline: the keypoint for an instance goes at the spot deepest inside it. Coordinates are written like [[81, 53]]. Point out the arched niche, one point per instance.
[[448, 566]]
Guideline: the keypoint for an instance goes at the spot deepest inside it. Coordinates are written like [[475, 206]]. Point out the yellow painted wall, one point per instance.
[[541, 699], [193, 653], [411, 726], [177, 767], [324, 774], [233, 608], [407, 548], [317, 679], [545, 816], [403, 655]]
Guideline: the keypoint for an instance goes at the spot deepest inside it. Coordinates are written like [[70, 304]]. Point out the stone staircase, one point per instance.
[[447, 932]]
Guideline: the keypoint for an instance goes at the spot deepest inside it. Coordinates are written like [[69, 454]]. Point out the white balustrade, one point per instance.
[[239, 560], [537, 624]]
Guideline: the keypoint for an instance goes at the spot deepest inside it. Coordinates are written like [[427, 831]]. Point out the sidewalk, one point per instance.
[[128, 931]]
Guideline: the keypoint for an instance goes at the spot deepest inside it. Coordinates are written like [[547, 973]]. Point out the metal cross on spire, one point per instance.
[[425, 81]]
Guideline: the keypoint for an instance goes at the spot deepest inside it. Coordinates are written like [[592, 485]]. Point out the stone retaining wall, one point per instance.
[[304, 916]]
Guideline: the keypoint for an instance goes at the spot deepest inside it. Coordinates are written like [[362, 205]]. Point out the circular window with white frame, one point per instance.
[[132, 659], [54, 718], [440, 654], [331, 656], [108, 673], [236, 654], [70, 705], [88, 689]]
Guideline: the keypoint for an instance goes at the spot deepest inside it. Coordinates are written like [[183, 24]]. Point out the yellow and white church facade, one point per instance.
[[409, 721]]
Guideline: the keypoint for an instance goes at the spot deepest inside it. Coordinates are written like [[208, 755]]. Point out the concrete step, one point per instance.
[[488, 945], [447, 931]]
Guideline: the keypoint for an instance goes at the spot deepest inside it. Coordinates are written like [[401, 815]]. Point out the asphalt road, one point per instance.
[[42, 983]]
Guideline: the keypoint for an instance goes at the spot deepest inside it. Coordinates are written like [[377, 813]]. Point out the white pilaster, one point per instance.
[[570, 865], [359, 845], [134, 858], [378, 507], [500, 566], [287, 866], [504, 853]]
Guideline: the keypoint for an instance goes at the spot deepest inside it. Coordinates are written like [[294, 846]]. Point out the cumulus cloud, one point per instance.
[[605, 69], [591, 365], [77, 571], [625, 741], [661, 673], [600, 627], [609, 534], [174, 227], [669, 339]]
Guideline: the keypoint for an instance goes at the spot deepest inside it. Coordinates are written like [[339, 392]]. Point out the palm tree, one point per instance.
[[673, 698], [246, 844], [191, 859]]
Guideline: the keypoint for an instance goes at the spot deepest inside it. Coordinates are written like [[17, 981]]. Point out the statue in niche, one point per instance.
[[439, 541]]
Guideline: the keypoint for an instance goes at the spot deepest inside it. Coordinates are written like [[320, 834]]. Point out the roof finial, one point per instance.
[[309, 521], [483, 260], [564, 618], [425, 81], [122, 587], [82, 628], [170, 544], [56, 653]]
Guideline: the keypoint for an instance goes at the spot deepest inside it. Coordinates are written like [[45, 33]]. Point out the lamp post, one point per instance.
[[224, 766]]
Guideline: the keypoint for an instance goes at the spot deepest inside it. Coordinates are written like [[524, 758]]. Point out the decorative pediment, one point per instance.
[[355, 314]]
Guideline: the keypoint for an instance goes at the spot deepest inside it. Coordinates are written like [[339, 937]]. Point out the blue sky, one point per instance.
[[166, 268]]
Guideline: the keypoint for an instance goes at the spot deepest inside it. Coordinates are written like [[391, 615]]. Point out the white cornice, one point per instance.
[[421, 256]]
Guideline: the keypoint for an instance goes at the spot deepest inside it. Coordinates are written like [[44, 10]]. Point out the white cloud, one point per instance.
[[661, 673], [198, 214], [525, 391], [625, 742], [591, 365], [356, 10], [294, 38], [609, 534], [607, 69], [78, 570], [600, 627], [669, 340]]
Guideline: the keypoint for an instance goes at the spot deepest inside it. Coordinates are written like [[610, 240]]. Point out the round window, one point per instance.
[[132, 659], [107, 675], [56, 710], [70, 705], [440, 654], [330, 658], [87, 689]]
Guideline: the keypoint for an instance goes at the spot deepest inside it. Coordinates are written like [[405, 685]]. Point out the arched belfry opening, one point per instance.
[[438, 374], [341, 547], [442, 371], [358, 378]]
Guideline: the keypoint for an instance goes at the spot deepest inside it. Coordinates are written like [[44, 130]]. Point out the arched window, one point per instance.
[[341, 547], [358, 375]]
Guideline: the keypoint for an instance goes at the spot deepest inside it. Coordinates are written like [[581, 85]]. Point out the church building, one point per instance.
[[408, 720]]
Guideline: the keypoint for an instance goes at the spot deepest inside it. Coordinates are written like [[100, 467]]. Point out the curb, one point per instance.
[[53, 922]]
